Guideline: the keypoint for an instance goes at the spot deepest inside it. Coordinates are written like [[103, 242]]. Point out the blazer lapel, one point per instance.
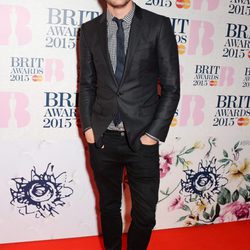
[[134, 37], [104, 44]]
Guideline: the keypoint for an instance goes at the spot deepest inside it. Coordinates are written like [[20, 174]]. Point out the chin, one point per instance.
[[118, 3]]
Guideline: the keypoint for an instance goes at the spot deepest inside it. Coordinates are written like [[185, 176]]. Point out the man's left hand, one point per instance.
[[146, 140]]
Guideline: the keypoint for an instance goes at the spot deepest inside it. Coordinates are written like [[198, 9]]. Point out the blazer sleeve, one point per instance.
[[87, 86], [168, 63]]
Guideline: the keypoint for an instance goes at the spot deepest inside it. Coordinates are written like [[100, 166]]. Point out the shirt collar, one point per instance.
[[128, 18]]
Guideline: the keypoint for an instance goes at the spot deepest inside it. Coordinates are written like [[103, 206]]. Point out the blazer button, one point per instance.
[[118, 94]]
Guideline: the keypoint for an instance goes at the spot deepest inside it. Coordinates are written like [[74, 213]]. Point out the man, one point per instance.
[[123, 54]]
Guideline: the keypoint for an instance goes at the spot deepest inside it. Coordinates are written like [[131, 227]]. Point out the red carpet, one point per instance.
[[227, 236]]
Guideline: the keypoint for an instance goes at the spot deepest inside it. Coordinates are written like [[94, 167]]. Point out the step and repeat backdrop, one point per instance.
[[46, 186]]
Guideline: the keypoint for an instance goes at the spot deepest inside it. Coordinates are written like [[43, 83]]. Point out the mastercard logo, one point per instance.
[[243, 121], [249, 54], [174, 122], [213, 83], [37, 78], [183, 4], [181, 49]]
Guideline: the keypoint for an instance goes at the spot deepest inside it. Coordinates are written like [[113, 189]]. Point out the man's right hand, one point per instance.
[[89, 135]]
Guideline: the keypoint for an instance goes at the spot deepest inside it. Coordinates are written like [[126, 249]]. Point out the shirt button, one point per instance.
[[122, 133]]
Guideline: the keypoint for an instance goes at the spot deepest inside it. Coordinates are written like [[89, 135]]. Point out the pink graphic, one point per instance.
[[166, 161], [211, 4], [234, 211], [226, 76], [14, 25], [192, 110], [201, 34], [176, 203], [13, 110], [181, 73], [54, 70]]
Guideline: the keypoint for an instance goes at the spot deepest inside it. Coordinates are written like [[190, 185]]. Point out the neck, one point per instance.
[[120, 11]]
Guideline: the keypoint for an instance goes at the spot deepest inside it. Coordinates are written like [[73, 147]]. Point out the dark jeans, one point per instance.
[[143, 177]]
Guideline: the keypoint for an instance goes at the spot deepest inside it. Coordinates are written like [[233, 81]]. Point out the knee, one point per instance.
[[111, 208], [144, 220]]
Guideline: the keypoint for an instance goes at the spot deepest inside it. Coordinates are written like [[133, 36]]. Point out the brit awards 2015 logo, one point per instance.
[[199, 38], [232, 110], [36, 69], [213, 75], [239, 7], [24, 69], [237, 44], [63, 25], [15, 25], [190, 111], [246, 80], [14, 110], [60, 110]]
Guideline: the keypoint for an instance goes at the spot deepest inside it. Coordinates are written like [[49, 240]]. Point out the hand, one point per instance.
[[147, 140], [89, 135]]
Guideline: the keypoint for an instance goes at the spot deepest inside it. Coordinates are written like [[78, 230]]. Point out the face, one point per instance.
[[118, 3]]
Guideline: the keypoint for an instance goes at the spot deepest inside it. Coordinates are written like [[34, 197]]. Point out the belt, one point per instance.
[[114, 132]]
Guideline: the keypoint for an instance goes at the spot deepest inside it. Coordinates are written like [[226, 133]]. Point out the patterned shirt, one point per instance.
[[112, 44]]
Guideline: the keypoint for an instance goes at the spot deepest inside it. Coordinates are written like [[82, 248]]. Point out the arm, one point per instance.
[[87, 86], [168, 64]]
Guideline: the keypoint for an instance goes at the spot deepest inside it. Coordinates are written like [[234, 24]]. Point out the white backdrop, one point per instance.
[[46, 186]]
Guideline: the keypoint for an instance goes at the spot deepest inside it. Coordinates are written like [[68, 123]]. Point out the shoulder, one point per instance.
[[151, 16], [152, 20], [94, 22]]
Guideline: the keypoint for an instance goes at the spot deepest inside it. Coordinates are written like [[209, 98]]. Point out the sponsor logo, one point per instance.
[[174, 122], [183, 4]]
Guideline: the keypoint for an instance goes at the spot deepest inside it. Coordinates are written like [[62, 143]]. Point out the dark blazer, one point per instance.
[[151, 56]]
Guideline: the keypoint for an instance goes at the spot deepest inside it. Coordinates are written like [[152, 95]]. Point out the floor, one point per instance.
[[227, 236]]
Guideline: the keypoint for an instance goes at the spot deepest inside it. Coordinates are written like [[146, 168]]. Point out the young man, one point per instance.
[[123, 54]]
